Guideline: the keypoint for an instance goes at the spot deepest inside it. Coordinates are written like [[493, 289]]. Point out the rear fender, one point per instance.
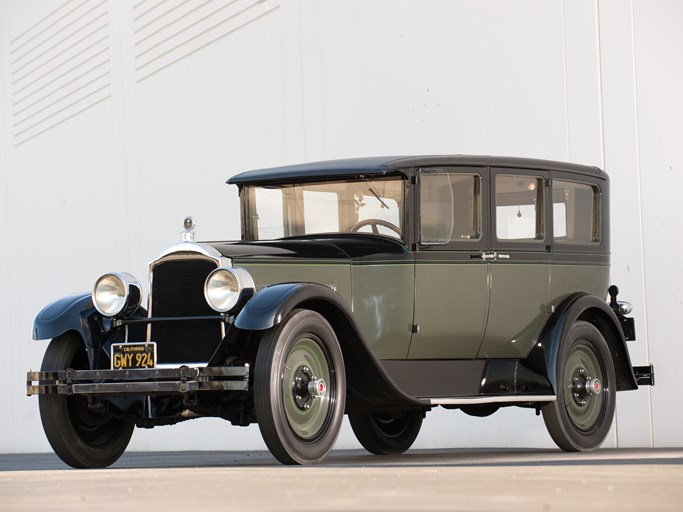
[[544, 356]]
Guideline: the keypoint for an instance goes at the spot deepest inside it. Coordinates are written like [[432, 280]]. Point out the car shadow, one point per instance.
[[434, 458]]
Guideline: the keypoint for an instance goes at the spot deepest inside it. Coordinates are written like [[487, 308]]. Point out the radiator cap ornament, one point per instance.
[[187, 235]]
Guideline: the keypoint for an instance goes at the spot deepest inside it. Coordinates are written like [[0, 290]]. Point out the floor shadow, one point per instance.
[[503, 457]]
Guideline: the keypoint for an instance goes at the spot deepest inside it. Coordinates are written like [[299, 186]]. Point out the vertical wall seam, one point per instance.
[[566, 83], [640, 208], [598, 51], [6, 263], [302, 77], [119, 142], [602, 145]]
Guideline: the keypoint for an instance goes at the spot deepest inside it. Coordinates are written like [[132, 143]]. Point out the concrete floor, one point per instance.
[[420, 480]]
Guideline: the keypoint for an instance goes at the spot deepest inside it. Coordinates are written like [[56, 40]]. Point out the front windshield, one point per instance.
[[370, 206]]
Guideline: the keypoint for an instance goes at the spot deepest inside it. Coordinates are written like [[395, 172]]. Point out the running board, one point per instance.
[[492, 399]]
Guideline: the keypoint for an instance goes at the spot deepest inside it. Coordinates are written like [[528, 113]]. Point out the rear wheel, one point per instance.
[[581, 417], [386, 434], [81, 437], [300, 388]]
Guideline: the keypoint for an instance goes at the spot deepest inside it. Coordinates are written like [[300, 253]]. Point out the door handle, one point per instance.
[[490, 256]]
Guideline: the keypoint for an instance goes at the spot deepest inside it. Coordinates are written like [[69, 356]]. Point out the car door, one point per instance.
[[451, 295], [519, 259]]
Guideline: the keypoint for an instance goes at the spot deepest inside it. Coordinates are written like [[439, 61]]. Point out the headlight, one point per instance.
[[116, 294], [227, 288]]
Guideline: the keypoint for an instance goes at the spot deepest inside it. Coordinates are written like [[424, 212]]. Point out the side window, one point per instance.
[[519, 208], [269, 213], [576, 213], [466, 207], [450, 207]]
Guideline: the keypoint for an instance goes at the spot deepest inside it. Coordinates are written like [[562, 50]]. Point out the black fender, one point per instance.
[[77, 313], [271, 305], [581, 306], [70, 313]]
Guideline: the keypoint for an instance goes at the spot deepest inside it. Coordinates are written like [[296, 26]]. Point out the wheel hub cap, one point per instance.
[[307, 387], [584, 386], [317, 388]]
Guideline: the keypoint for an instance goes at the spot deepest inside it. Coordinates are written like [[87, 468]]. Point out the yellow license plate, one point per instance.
[[132, 356]]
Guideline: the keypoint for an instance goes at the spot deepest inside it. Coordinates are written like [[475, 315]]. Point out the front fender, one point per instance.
[[271, 305], [70, 313], [77, 313]]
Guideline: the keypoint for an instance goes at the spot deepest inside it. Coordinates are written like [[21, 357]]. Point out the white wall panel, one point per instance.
[[59, 67], [7, 331], [621, 156], [582, 83], [443, 77], [659, 82], [121, 117]]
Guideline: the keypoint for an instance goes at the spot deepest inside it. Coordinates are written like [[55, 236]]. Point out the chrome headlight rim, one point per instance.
[[226, 289], [116, 294]]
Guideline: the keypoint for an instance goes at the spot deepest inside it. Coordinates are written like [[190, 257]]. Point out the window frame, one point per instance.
[[297, 218], [601, 184], [540, 244], [474, 245]]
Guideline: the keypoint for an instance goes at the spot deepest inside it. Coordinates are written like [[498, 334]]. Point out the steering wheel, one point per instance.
[[374, 224]]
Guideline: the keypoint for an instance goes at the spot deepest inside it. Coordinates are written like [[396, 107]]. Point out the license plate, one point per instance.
[[132, 356]]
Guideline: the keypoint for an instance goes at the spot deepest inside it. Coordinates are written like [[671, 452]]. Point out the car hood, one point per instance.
[[348, 247]]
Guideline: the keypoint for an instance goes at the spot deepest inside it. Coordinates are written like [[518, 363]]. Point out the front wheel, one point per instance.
[[81, 437], [300, 388], [581, 416], [385, 433]]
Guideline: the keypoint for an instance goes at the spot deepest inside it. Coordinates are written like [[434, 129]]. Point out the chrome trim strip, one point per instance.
[[492, 399]]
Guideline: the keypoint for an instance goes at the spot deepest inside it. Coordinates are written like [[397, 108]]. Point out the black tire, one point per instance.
[[81, 437], [387, 434], [580, 418], [297, 426]]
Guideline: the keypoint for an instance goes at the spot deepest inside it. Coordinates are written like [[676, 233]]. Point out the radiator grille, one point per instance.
[[178, 290]]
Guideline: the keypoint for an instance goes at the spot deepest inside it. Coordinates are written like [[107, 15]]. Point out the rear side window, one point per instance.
[[576, 213], [519, 208]]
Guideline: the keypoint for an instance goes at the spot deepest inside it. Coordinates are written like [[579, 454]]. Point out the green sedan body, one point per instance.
[[374, 287]]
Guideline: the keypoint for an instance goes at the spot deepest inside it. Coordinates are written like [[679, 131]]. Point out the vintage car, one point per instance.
[[374, 287]]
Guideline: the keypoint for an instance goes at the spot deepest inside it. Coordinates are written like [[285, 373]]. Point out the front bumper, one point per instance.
[[160, 381]]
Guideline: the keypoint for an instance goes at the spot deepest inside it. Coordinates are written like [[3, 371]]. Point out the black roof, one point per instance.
[[382, 165]]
